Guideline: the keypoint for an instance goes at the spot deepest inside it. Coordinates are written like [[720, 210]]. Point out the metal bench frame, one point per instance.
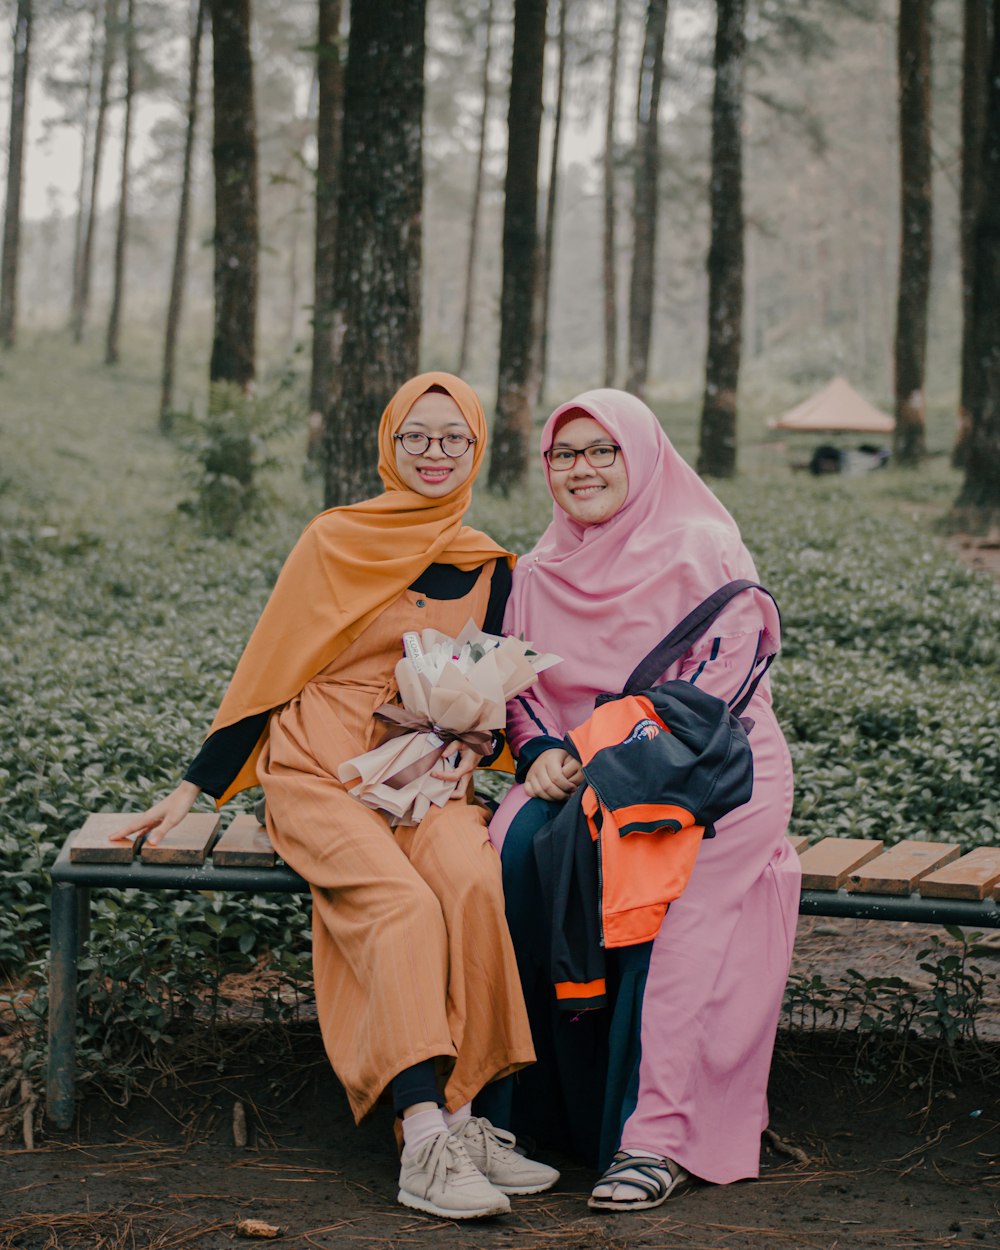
[[70, 922]]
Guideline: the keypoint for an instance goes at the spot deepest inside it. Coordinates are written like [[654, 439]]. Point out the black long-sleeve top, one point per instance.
[[224, 752]]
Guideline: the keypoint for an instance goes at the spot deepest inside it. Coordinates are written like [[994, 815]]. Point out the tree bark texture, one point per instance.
[[376, 323], [111, 350], [81, 195], [551, 205], [610, 213], [234, 153], [914, 61], [979, 500], [179, 271], [516, 381], [477, 197], [15, 168], [647, 174], [975, 88], [717, 440], [329, 124], [100, 125]]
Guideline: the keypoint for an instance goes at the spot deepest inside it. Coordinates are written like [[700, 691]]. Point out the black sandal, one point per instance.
[[657, 1177]]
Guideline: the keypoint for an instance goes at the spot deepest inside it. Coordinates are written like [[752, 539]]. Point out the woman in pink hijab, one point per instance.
[[669, 1082]]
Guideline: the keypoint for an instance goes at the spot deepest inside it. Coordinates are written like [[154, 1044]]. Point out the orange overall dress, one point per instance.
[[411, 954]]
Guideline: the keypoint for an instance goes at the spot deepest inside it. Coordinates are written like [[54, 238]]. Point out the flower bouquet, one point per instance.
[[453, 692]]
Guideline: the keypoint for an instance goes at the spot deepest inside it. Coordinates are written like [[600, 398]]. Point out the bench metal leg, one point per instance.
[[68, 918]]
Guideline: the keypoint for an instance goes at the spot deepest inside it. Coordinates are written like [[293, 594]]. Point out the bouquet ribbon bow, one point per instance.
[[402, 721], [452, 690]]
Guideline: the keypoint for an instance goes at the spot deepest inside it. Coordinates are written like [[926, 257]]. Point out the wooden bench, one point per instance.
[[927, 882]]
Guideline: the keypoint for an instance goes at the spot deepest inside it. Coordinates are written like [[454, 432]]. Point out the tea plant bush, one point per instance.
[[120, 622]]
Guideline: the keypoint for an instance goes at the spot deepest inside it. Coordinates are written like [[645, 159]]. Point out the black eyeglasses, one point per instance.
[[453, 445], [600, 456]]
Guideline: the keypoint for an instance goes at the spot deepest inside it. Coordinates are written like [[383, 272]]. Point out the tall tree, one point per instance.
[[329, 124], [978, 503], [610, 211], [376, 320], [15, 166], [477, 196], [974, 91], [82, 283], [516, 379], [551, 202], [717, 439], [178, 273], [914, 62], [647, 175], [80, 223], [234, 153], [111, 350]]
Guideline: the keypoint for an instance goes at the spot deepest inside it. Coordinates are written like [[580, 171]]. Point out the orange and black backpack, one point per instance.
[[661, 763]]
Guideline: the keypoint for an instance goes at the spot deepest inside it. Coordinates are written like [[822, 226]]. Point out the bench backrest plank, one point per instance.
[[975, 876], [91, 845], [827, 864], [900, 867], [244, 844], [186, 843]]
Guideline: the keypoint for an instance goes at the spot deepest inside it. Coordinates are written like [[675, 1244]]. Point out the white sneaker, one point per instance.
[[492, 1151], [439, 1177]]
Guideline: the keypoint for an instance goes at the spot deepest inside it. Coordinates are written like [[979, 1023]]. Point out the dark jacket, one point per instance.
[[660, 767]]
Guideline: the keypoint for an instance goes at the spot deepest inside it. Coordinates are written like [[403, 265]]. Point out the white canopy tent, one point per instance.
[[838, 406]]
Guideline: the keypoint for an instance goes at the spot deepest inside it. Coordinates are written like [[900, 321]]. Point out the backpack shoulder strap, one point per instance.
[[684, 635]]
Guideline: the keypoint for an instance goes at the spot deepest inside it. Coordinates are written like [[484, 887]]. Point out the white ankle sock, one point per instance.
[[452, 1118], [419, 1127]]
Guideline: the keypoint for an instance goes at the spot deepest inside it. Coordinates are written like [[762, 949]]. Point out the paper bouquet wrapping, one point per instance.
[[453, 692]]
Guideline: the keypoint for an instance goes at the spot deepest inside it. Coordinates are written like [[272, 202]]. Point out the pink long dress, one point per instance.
[[602, 597]]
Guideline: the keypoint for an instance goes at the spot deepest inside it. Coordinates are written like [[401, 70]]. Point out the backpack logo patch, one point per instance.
[[643, 731]]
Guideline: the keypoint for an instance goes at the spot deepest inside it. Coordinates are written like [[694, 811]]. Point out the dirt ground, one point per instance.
[[890, 1154]]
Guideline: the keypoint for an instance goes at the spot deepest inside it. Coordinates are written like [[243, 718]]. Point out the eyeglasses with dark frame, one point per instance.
[[600, 456], [453, 445]]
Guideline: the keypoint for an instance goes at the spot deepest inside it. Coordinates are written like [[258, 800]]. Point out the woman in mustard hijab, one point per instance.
[[417, 988]]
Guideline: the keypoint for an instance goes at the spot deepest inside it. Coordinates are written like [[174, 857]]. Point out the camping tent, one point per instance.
[[838, 406]]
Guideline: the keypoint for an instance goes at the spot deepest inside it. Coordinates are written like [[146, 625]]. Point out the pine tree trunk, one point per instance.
[[179, 271], [103, 91], [647, 174], [477, 196], [610, 281], [516, 383], [551, 202], [376, 323], [978, 504], [234, 152], [975, 87], [15, 167], [717, 442], [329, 127], [914, 48], [121, 234], [81, 195]]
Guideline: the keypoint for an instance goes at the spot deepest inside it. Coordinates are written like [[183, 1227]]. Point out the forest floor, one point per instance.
[[872, 1148]]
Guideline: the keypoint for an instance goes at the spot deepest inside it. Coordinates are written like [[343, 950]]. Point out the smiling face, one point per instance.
[[432, 473], [588, 495]]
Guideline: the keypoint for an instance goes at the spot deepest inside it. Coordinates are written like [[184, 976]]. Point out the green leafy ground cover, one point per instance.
[[120, 622]]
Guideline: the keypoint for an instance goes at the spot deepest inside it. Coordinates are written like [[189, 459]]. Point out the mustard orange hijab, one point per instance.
[[349, 565]]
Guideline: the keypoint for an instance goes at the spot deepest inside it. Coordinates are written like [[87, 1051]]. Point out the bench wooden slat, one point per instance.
[[898, 869], [186, 843], [799, 841], [244, 844], [974, 876], [827, 863], [91, 845]]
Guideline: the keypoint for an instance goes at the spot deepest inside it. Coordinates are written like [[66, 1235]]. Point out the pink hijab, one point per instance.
[[602, 596]]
